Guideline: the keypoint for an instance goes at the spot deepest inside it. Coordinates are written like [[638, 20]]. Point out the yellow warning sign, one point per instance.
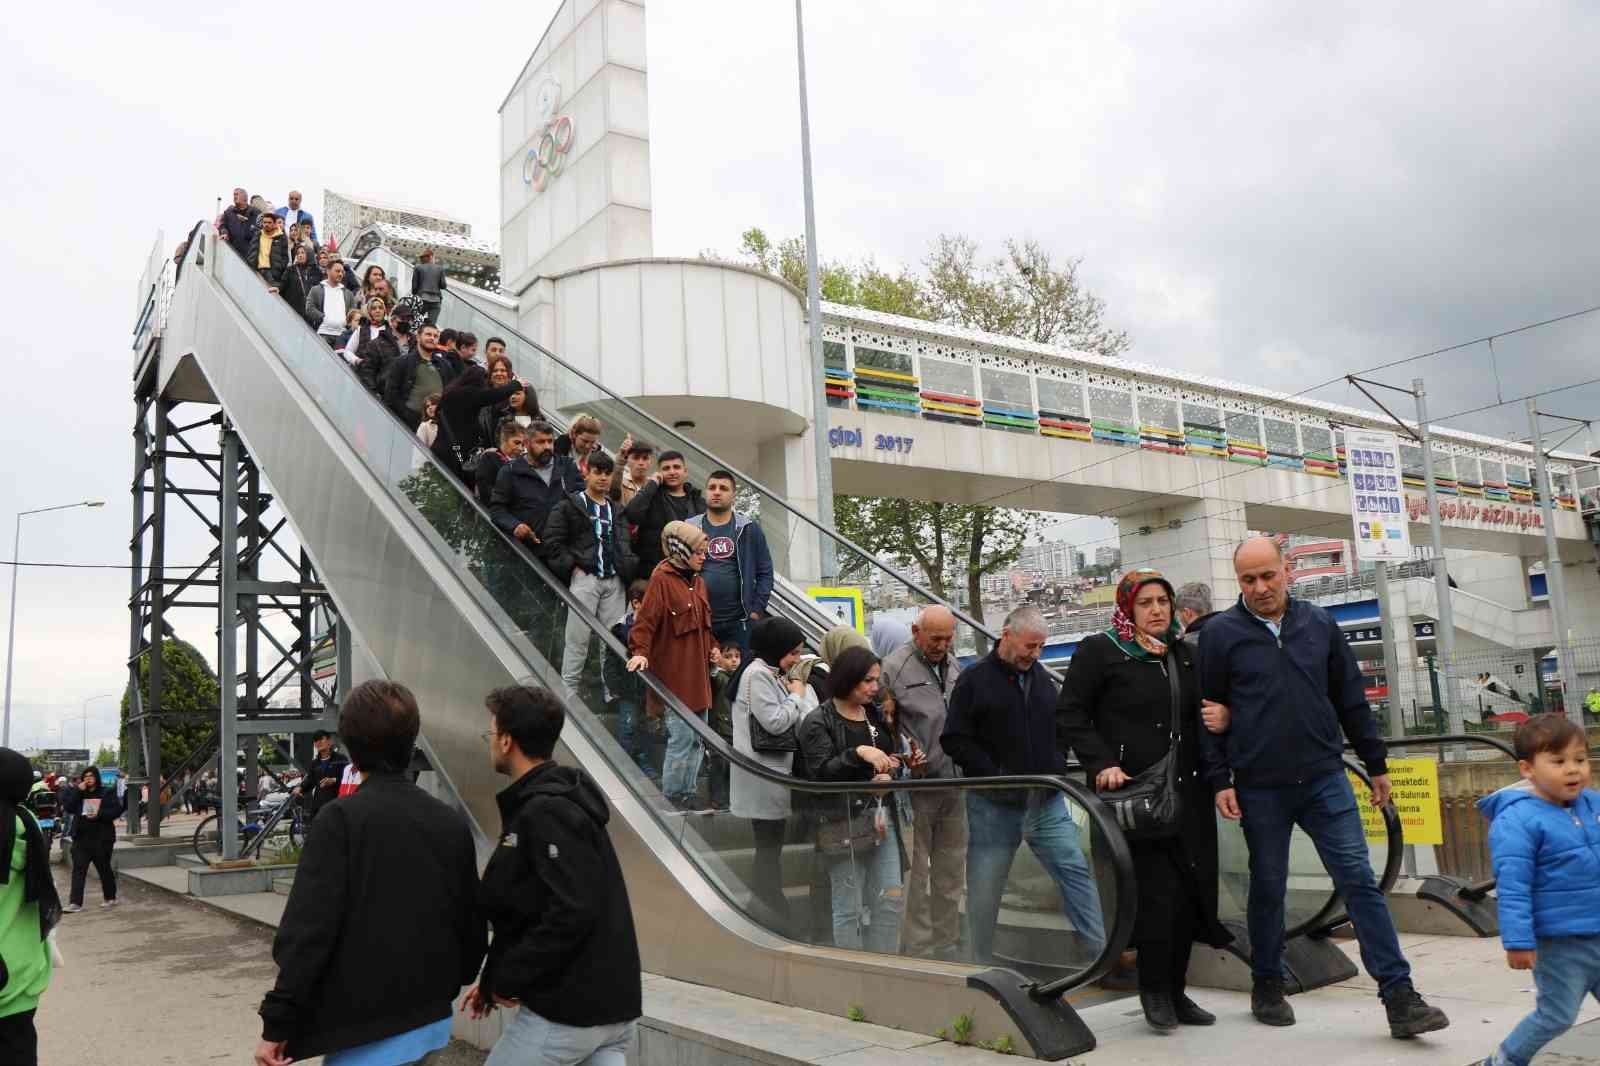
[[1415, 798]]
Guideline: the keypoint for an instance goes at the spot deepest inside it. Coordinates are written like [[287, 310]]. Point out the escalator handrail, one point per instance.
[[1118, 934], [668, 433], [1477, 890]]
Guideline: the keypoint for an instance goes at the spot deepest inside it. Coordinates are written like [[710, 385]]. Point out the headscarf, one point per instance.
[[887, 635], [16, 779], [834, 641], [773, 638], [1127, 636], [679, 541]]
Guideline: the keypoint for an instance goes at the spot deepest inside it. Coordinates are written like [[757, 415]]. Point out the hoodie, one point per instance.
[[1547, 864], [564, 942]]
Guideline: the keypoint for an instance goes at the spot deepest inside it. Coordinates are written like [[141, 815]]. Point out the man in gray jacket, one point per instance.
[[428, 285], [918, 679]]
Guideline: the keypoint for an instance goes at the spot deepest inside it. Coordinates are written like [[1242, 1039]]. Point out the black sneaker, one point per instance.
[[1409, 1014], [1158, 1011], [1191, 1013], [1267, 1002]]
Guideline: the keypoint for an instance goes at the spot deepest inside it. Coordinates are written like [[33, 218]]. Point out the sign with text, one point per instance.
[[844, 604], [1377, 497], [1415, 799], [65, 754]]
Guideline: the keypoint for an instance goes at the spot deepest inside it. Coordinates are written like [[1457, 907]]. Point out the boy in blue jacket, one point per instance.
[[1544, 835]]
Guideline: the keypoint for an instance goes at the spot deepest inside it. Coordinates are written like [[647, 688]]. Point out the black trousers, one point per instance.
[[1166, 940], [96, 850], [766, 876], [19, 1041]]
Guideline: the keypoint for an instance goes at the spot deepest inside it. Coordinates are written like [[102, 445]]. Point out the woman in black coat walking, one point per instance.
[[1116, 713], [95, 810], [301, 278], [456, 443]]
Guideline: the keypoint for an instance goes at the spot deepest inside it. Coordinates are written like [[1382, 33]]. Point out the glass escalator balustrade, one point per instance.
[[842, 867]]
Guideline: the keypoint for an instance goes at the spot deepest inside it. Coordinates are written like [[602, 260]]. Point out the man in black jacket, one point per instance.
[[1295, 694], [415, 376], [239, 223], [666, 497], [528, 488], [588, 549], [379, 934], [565, 953], [326, 770], [270, 256], [376, 354], [428, 285], [1002, 721]]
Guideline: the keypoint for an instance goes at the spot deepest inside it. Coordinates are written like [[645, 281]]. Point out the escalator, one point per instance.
[[437, 598]]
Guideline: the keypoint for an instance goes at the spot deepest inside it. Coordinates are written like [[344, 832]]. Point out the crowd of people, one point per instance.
[[1243, 712]]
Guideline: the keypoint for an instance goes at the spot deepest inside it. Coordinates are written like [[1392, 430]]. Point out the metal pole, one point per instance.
[[155, 689], [11, 632], [819, 395], [228, 649], [1391, 656], [1445, 637], [1572, 701]]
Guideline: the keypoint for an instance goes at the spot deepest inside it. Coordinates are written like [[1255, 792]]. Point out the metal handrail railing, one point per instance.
[[1118, 934]]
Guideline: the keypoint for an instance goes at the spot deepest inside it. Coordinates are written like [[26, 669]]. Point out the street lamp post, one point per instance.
[[11, 634], [91, 699]]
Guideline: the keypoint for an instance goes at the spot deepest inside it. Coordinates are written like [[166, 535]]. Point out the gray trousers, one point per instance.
[[607, 600]]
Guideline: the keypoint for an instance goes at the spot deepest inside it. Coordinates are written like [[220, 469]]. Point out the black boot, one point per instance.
[[1267, 1002], [1159, 1011], [1409, 1014], [1191, 1013]]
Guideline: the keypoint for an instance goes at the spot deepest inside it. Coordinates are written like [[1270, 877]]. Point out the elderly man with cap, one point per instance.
[[671, 637], [918, 679]]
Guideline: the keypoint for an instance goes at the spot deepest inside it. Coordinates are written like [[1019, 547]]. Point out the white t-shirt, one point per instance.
[[332, 310]]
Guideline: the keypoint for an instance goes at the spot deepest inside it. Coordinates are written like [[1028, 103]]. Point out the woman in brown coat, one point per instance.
[[672, 638]]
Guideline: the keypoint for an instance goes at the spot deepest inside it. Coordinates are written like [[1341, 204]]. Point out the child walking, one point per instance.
[[1544, 835]]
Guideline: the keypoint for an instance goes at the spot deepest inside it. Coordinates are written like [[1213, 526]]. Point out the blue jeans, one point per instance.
[[866, 885], [1326, 810], [633, 733], [680, 776], [1566, 970], [530, 1040], [994, 832]]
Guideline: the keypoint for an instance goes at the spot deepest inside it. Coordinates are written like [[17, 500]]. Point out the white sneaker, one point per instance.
[[108, 904], [72, 908]]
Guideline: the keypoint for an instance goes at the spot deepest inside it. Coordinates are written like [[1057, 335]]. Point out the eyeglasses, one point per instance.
[[487, 736]]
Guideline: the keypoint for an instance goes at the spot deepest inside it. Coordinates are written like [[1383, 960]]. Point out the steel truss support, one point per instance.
[[269, 611]]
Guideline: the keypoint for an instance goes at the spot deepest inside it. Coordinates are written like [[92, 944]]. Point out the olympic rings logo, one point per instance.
[[544, 160]]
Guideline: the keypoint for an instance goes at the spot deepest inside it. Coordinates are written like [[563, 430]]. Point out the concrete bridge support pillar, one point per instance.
[[1191, 541], [786, 466]]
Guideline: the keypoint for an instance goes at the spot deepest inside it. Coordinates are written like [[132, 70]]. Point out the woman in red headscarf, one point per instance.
[[1116, 712]]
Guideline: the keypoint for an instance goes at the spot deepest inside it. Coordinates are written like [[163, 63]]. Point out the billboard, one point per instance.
[[1377, 497]]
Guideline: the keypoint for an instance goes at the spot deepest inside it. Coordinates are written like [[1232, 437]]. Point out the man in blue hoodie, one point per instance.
[[1284, 669], [1544, 835], [738, 568]]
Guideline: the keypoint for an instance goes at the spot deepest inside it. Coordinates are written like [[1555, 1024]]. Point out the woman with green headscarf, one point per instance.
[[1116, 714], [813, 669]]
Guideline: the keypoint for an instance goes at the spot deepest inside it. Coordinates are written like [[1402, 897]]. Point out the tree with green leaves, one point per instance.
[[1024, 293], [190, 700], [106, 756]]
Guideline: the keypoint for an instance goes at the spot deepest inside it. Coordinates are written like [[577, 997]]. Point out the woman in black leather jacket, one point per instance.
[[846, 739]]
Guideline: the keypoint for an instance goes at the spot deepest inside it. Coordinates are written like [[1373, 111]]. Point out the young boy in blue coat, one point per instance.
[[1545, 839]]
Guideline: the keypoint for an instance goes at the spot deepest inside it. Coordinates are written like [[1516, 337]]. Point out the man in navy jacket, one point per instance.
[[1002, 721], [1296, 694]]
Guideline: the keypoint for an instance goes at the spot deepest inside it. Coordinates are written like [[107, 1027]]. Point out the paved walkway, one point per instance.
[[161, 980]]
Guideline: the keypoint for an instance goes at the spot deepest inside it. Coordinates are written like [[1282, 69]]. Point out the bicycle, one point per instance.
[[283, 829]]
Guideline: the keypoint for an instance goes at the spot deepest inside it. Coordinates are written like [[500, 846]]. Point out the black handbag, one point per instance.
[[764, 742], [1149, 807]]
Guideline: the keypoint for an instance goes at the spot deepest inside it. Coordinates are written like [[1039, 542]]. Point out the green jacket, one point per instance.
[[24, 956]]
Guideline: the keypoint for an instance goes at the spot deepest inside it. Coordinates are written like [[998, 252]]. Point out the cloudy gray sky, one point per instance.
[[1263, 192]]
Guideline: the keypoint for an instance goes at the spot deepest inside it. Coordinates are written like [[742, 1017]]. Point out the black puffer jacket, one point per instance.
[[572, 545], [564, 942], [650, 512]]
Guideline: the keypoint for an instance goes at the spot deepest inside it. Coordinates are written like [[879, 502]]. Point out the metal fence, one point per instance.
[[1497, 688]]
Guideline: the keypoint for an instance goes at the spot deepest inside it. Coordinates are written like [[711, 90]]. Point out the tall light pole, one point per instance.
[[91, 699], [11, 635], [819, 394]]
